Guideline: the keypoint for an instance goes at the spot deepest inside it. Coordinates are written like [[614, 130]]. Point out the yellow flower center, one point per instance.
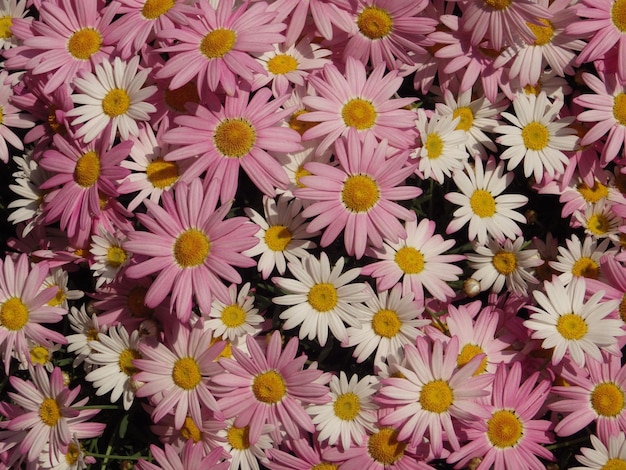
[[233, 316], [505, 262], [186, 373], [618, 15], [190, 430], [58, 298], [622, 308], [136, 302], [324, 466], [619, 105], [269, 387], [87, 170], [13, 314], [277, 237], [152, 9], [593, 194], [126, 361], [72, 454], [300, 126], [586, 267], [49, 411], [482, 203], [410, 260], [300, 172], [360, 193], [178, 98], [571, 326], [116, 256], [436, 396], [535, 136], [39, 355], [434, 146], [543, 33], [598, 224], [218, 43], [359, 113], [92, 334], [162, 174], [238, 438], [614, 464], [5, 27], [467, 118], [116, 102], [386, 323], [468, 353], [234, 138], [498, 4], [191, 248], [1, 115], [282, 64], [322, 297], [504, 429], [533, 89], [384, 447], [52, 121], [347, 406], [607, 399], [84, 43], [374, 22]]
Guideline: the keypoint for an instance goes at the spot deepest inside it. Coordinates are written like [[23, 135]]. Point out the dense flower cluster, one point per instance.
[[313, 234]]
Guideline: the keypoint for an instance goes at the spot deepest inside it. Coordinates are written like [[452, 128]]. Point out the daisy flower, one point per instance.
[[270, 388], [565, 322], [215, 46], [10, 10], [510, 437], [350, 413], [87, 330], [49, 416], [600, 220], [431, 393], [607, 109], [577, 259], [392, 320], [240, 134], [488, 211], [236, 318], [475, 118], [537, 137], [192, 456], [113, 356], [504, 263], [112, 99], [357, 197], [23, 308], [287, 65], [10, 117], [301, 455], [282, 234], [416, 261], [191, 247], [176, 374], [321, 299], [442, 147], [594, 394], [109, 258], [384, 31], [244, 453], [601, 455], [359, 103]]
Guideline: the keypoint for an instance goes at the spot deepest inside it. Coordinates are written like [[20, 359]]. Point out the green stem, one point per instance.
[[97, 407], [560, 445], [116, 457]]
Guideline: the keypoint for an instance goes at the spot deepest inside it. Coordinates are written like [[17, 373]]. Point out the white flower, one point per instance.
[[87, 332], [245, 454], [236, 318], [112, 96], [600, 455], [565, 322], [578, 259], [10, 9], [600, 221], [59, 278], [28, 208], [109, 256]]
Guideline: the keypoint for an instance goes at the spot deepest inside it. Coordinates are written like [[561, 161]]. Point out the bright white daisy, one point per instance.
[[565, 322], [87, 331], [580, 259], [488, 211], [244, 453], [475, 118], [442, 147], [350, 413], [109, 258], [112, 98], [282, 234], [9, 10], [40, 355], [113, 355], [602, 456], [237, 318], [321, 298], [59, 278], [504, 263], [537, 137], [392, 320], [600, 221]]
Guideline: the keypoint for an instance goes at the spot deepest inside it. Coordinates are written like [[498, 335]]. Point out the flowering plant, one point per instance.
[[313, 234]]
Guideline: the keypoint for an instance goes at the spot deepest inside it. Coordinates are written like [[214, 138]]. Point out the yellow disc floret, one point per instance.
[[49, 411], [504, 429], [535, 136], [281, 64], [269, 387], [84, 43], [87, 170], [13, 314], [410, 260], [186, 373], [234, 138], [347, 406], [386, 323], [571, 326], [436, 396], [505, 262], [384, 447], [277, 237], [482, 203], [191, 248], [322, 297], [218, 43], [359, 113], [607, 399], [116, 102], [152, 9], [374, 22], [360, 193], [162, 174]]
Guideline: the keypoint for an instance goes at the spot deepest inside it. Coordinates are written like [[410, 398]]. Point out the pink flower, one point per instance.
[[357, 197], [192, 456], [191, 247], [10, 117]]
